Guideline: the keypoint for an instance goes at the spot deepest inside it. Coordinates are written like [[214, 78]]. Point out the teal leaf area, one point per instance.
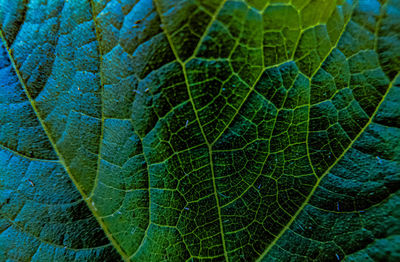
[[199, 130]]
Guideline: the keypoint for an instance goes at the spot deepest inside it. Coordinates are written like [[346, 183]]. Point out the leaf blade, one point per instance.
[[187, 141]]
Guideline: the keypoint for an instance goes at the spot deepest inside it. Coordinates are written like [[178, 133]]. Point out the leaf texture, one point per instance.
[[207, 130], [42, 215]]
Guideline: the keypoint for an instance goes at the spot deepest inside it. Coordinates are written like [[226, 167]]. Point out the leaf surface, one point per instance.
[[42, 215], [221, 130]]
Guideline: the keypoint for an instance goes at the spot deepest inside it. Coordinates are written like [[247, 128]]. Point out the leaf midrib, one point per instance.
[[209, 145], [59, 155]]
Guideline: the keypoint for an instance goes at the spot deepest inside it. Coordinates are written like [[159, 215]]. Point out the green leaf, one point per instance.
[[200, 130], [42, 215]]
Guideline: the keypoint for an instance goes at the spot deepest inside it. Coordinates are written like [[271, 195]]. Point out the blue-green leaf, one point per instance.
[[225, 130]]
